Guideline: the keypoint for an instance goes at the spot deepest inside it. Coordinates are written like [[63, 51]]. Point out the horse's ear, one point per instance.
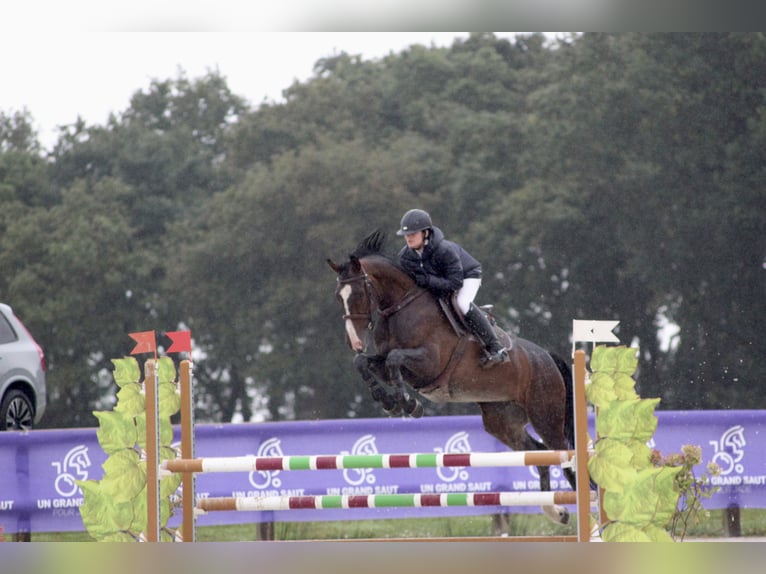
[[334, 266], [356, 265]]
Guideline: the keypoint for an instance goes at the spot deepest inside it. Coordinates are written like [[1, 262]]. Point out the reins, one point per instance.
[[408, 298]]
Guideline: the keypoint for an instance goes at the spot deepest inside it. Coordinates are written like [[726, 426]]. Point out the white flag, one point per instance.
[[594, 331]]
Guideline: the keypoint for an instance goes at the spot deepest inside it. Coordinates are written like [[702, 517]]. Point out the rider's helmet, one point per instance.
[[413, 221]]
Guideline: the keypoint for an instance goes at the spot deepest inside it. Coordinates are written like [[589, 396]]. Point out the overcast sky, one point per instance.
[[60, 76], [60, 59]]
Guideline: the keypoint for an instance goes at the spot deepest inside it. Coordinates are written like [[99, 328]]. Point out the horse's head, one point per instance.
[[353, 292], [365, 281]]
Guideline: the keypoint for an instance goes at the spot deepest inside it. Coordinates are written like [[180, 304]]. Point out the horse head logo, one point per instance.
[[73, 467], [458, 442], [729, 449], [357, 476], [264, 478]]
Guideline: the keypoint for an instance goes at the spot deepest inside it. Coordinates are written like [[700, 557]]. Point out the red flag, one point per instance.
[[145, 342], [181, 341]]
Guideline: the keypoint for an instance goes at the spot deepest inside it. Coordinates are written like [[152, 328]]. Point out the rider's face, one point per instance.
[[415, 240]]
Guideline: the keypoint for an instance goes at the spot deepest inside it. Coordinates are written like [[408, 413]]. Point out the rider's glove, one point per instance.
[[422, 279]]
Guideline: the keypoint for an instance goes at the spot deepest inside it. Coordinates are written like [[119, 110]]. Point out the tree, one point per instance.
[[17, 133], [257, 291], [76, 281], [24, 173], [711, 132], [629, 142], [169, 145]]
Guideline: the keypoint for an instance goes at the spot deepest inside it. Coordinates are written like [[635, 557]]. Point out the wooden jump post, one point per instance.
[[188, 483], [151, 390], [151, 384], [582, 477]]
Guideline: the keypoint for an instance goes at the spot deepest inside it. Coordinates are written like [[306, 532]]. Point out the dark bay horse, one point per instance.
[[403, 338]]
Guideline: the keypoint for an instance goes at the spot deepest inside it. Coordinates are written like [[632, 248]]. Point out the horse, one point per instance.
[[403, 338]]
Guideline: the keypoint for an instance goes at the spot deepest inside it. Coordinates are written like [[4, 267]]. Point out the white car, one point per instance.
[[22, 374]]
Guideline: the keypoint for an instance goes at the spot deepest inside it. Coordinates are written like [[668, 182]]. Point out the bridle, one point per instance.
[[370, 291]]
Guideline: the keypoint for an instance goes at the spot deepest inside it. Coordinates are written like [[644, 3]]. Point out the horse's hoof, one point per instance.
[[390, 405], [417, 412], [412, 407], [557, 514]]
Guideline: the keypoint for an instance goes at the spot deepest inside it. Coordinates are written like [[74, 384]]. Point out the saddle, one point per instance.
[[454, 315]]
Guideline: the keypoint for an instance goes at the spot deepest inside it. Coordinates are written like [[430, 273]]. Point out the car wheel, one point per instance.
[[16, 411]]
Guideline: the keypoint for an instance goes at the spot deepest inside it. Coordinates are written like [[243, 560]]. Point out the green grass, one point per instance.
[[753, 523]]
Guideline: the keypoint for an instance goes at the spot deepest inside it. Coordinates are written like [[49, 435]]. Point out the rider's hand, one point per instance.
[[421, 278]]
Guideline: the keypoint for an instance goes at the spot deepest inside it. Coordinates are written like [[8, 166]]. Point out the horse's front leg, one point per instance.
[[372, 369], [413, 360]]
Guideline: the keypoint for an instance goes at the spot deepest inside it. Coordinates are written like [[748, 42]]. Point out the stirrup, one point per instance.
[[500, 356]]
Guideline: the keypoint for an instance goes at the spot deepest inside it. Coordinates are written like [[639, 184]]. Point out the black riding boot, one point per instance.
[[481, 327]]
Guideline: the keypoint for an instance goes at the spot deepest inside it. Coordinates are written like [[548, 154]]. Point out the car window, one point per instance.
[[7, 334]]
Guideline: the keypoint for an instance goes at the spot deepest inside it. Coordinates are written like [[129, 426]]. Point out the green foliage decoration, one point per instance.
[[115, 507], [642, 490]]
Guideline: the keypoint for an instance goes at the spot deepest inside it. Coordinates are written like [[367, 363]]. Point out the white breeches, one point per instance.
[[467, 293]]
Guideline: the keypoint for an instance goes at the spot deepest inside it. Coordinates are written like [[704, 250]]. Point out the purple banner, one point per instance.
[[39, 467], [735, 440], [38, 472]]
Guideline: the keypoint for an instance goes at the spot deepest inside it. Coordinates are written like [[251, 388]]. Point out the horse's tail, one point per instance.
[[566, 373]]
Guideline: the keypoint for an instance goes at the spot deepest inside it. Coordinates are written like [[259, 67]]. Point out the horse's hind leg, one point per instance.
[[549, 423], [500, 526], [507, 422]]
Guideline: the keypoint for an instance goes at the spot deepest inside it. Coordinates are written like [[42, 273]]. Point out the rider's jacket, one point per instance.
[[445, 262]]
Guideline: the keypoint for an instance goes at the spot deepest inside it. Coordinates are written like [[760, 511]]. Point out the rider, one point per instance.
[[443, 266]]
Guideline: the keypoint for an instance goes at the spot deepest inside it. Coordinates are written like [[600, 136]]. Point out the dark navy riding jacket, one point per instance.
[[446, 263]]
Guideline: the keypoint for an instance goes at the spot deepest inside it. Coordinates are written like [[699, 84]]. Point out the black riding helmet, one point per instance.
[[413, 221]]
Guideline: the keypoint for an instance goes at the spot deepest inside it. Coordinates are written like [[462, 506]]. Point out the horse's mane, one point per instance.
[[371, 245]]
